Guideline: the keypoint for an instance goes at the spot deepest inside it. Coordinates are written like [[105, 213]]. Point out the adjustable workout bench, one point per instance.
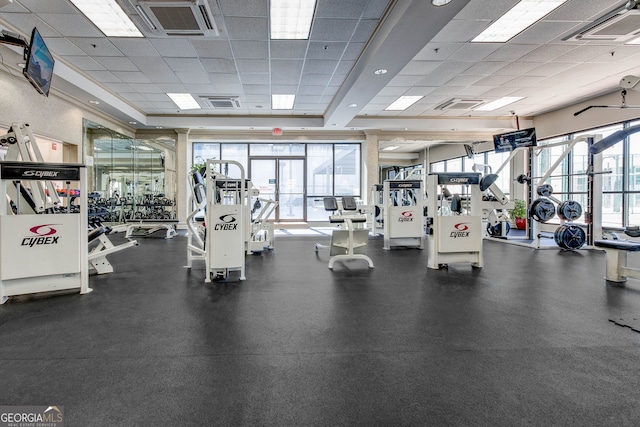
[[98, 255], [616, 258], [349, 243]]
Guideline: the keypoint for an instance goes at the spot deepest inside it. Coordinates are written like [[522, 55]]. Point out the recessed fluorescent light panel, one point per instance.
[[291, 19], [109, 17], [282, 102], [520, 17], [184, 101], [499, 103], [403, 103]]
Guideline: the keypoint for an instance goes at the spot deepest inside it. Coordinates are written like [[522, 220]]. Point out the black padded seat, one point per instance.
[[622, 245]]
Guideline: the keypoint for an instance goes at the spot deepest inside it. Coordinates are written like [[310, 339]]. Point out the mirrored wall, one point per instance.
[[131, 179]]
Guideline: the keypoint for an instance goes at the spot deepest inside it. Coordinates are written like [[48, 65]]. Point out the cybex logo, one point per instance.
[[461, 230], [227, 223], [44, 235], [405, 216]]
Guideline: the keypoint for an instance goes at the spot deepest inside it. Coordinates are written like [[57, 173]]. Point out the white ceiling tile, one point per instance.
[[510, 52], [226, 79], [493, 80], [250, 49], [171, 87], [582, 10], [71, 25], [134, 46], [549, 69], [374, 8], [311, 90], [402, 80], [473, 52], [315, 79], [326, 50], [132, 96], [485, 9], [96, 46], [132, 77], [319, 66], [256, 90], [117, 63], [244, 8], [219, 65], [199, 88], [252, 65], [288, 49], [145, 87], [485, 67], [184, 64], [283, 89], [61, 46], [420, 68], [247, 28], [517, 68], [195, 76], [393, 91], [174, 48], [340, 8], [258, 99], [49, 6], [84, 63], [543, 32], [227, 88], [332, 29], [212, 48], [103, 76], [119, 88], [547, 53]]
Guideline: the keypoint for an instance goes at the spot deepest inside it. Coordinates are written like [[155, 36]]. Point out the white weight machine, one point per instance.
[[221, 240], [403, 213], [454, 227]]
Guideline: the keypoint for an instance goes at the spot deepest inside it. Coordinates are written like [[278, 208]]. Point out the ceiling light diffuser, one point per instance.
[[403, 103], [498, 103], [282, 102], [517, 19], [109, 17], [184, 101], [291, 19]]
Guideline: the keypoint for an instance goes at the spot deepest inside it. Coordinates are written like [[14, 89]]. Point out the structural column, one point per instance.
[[183, 164], [371, 166]]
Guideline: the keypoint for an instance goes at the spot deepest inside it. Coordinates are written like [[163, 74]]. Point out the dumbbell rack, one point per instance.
[[45, 251]]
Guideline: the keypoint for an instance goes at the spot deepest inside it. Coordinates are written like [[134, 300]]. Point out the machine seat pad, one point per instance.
[[95, 233], [621, 245]]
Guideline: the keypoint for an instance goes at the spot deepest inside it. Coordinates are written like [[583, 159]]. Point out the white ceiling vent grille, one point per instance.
[[178, 17], [619, 26], [221, 102], [459, 104]]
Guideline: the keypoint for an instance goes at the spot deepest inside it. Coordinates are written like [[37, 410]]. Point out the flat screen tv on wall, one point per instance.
[[39, 63]]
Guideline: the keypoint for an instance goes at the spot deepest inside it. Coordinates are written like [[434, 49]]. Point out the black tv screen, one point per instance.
[[512, 140], [39, 68]]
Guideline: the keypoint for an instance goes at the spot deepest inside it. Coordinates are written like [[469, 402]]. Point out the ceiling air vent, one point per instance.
[[459, 104], [178, 17], [620, 25], [221, 102]]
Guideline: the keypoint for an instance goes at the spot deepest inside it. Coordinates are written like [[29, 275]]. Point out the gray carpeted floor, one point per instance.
[[524, 341]]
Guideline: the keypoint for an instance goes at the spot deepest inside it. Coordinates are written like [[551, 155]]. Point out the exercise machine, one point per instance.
[[221, 240], [403, 213], [348, 242], [454, 227], [616, 251], [43, 246]]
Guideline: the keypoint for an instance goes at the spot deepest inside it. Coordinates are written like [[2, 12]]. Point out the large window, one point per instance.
[[484, 163], [332, 169]]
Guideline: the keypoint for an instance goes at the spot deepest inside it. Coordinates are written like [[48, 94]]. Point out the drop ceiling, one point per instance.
[[426, 51]]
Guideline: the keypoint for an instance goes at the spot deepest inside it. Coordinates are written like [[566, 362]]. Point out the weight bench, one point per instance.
[[98, 255], [616, 259], [349, 243], [146, 227]]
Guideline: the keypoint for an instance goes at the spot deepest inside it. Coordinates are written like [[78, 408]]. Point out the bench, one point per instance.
[[616, 259], [145, 227]]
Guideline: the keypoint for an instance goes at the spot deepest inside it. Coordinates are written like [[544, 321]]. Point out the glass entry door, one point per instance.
[[281, 179]]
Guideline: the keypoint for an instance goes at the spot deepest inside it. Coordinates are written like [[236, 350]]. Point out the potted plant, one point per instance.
[[519, 213]]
